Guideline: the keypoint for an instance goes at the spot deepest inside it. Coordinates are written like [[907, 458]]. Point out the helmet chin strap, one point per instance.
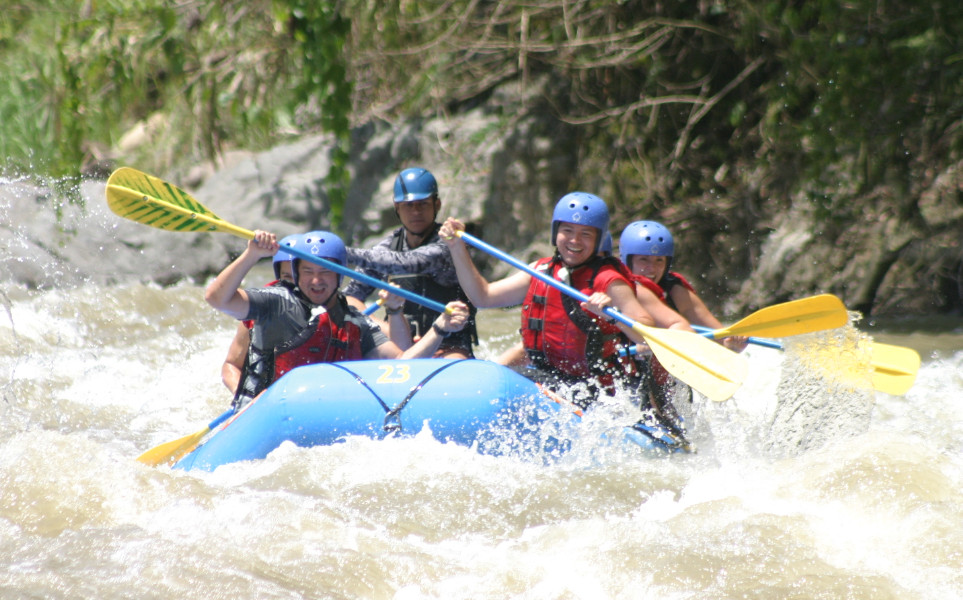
[[323, 303], [569, 268], [328, 299]]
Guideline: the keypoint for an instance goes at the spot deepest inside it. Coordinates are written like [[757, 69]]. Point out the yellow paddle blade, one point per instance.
[[151, 201], [806, 315], [894, 368], [710, 368], [172, 451]]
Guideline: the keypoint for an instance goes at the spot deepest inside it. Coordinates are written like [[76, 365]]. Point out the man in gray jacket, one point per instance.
[[415, 258]]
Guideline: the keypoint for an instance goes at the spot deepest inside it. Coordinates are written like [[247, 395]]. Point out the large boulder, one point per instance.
[[501, 174]]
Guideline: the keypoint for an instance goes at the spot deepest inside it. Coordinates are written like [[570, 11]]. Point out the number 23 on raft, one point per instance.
[[394, 374]]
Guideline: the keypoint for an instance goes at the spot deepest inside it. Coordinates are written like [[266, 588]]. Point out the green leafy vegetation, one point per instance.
[[755, 101], [184, 82]]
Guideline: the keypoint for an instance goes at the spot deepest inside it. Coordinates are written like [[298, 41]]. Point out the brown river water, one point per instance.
[[805, 484]]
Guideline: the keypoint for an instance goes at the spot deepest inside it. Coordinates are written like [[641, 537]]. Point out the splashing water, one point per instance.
[[825, 392], [806, 482]]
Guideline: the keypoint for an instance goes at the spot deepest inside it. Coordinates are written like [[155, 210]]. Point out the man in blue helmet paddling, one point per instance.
[[414, 257], [236, 362], [309, 321]]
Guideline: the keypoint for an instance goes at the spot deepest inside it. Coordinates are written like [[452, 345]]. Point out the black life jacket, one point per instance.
[[421, 317]]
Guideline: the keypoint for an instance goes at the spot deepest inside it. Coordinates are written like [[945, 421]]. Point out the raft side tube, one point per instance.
[[321, 404]]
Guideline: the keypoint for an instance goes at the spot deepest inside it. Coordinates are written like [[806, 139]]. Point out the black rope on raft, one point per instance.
[[393, 418], [365, 384]]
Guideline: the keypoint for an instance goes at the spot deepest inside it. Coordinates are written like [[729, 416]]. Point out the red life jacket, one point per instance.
[[678, 278], [560, 335], [669, 281], [658, 393], [320, 341], [661, 376], [654, 287]]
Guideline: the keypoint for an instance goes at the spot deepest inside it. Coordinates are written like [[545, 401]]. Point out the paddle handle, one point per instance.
[[220, 419], [371, 308], [555, 283], [709, 333]]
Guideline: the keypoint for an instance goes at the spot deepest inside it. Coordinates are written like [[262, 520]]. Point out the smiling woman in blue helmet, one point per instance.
[[567, 342], [647, 249], [308, 321], [516, 357], [414, 257]]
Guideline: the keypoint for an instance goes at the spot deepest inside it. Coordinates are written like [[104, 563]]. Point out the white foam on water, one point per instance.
[[794, 490]]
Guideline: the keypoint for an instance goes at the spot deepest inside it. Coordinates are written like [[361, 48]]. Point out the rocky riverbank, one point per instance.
[[900, 256]]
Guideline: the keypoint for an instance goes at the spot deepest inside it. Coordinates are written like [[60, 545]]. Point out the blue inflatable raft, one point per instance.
[[470, 402]]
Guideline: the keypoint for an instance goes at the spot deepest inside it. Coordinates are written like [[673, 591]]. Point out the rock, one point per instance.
[[501, 166], [49, 242]]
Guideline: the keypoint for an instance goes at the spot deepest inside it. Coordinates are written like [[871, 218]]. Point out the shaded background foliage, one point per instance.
[[718, 118]]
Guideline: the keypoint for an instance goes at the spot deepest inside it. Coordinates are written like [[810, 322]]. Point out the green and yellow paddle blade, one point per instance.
[[171, 452], [706, 366], [806, 315], [894, 368], [151, 201], [154, 202]]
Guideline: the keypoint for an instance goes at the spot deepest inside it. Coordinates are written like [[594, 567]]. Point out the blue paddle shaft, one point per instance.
[[752, 340], [224, 417], [707, 332], [372, 281], [555, 283], [562, 287]]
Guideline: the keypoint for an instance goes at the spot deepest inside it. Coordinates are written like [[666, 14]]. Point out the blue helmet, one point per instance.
[[415, 184], [606, 246], [581, 208], [322, 244], [281, 256], [646, 238]]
